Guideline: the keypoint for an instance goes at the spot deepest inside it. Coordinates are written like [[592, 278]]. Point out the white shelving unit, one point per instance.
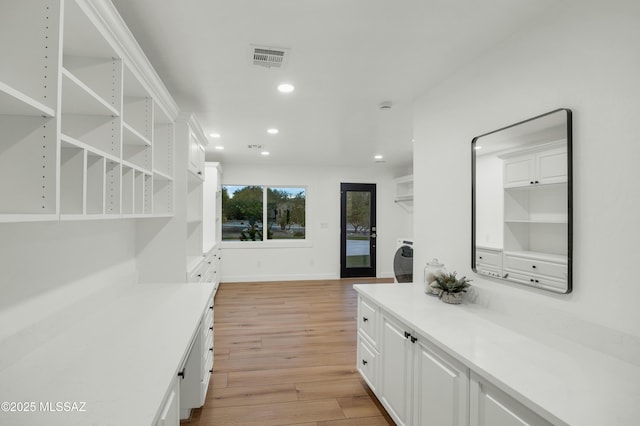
[[404, 189], [536, 216], [78, 114]]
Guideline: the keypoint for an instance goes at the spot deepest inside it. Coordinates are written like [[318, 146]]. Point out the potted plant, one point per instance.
[[449, 288]]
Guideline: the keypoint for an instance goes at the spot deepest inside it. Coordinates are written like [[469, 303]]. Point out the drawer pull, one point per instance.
[[210, 328], [365, 319], [364, 362], [414, 339], [407, 335], [181, 373], [211, 307], [533, 266], [211, 348], [211, 371]]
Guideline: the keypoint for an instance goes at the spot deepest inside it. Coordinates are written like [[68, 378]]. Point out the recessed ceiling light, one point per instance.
[[273, 131], [220, 148], [378, 157], [215, 135], [286, 88], [265, 153]]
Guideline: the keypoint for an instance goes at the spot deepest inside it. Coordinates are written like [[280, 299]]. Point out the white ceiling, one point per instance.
[[347, 56]]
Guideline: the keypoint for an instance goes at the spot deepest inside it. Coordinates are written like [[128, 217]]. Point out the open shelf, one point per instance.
[[128, 192], [95, 171], [28, 165], [72, 161], [78, 112], [14, 102], [29, 46], [100, 77], [162, 196]]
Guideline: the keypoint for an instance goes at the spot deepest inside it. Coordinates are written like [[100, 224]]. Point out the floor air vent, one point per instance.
[[269, 57]]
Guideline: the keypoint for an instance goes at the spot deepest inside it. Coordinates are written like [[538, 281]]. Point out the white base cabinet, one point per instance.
[[170, 409], [492, 407], [418, 383]]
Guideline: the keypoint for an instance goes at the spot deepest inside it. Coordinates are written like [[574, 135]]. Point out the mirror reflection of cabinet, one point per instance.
[[522, 202]]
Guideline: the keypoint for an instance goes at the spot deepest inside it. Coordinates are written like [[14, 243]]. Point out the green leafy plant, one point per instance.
[[449, 283]]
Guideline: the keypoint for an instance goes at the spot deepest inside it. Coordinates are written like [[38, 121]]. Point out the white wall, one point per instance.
[[321, 258], [40, 257], [584, 55]]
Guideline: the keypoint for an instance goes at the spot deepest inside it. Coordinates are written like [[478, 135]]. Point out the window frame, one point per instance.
[[266, 242]]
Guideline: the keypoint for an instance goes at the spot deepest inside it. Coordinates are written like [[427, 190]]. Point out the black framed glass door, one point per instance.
[[357, 230]]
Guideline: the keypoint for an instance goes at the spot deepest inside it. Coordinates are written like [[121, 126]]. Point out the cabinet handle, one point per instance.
[[407, 335], [537, 181], [210, 328], [364, 362], [480, 257], [211, 307], [414, 339], [181, 373], [533, 266], [365, 319], [199, 173], [211, 371], [211, 348], [531, 182]]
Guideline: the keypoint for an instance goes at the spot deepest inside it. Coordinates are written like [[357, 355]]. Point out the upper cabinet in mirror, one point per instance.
[[521, 198]]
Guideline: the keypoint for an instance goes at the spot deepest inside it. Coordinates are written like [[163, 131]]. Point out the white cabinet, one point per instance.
[[417, 383], [490, 406], [441, 386], [198, 367], [395, 370], [170, 409], [404, 188], [545, 165], [489, 261], [540, 270], [536, 216], [196, 155], [78, 121]]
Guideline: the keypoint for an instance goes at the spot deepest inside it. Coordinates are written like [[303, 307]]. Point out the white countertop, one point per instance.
[[117, 363], [561, 380]]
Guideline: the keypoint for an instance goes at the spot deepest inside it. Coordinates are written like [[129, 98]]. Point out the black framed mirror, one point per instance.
[[522, 213]]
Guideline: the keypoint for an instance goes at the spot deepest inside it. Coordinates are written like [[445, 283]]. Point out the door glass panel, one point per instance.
[[358, 229]]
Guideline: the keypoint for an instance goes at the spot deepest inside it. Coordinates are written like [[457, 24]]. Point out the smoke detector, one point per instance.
[[386, 105], [268, 57]]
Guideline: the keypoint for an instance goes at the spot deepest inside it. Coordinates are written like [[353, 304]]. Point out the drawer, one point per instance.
[[367, 363], [199, 273], [539, 281], [491, 258], [367, 319], [534, 266], [208, 342]]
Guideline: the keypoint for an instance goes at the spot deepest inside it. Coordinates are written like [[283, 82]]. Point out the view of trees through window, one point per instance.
[[245, 209]]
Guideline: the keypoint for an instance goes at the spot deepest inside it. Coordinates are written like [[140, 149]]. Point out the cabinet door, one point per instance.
[[492, 407], [196, 156], [395, 354], [170, 409], [519, 171], [552, 166], [367, 320], [441, 388], [367, 363]]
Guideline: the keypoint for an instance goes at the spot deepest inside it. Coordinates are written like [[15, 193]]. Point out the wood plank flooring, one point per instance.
[[285, 354]]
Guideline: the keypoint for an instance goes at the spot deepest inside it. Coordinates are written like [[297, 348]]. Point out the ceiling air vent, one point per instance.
[[269, 57]]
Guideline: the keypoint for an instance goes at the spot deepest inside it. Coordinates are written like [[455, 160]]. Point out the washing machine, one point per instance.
[[403, 261]]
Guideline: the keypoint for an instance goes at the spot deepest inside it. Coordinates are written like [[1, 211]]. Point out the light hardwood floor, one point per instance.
[[285, 354]]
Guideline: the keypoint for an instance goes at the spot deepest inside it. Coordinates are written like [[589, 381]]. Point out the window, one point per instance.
[[245, 210]]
